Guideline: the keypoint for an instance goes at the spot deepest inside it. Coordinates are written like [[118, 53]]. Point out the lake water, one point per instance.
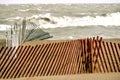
[[66, 21]]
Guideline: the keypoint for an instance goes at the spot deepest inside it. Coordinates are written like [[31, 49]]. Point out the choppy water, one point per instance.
[[67, 21]]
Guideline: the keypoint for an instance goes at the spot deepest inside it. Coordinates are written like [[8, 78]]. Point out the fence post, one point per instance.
[[91, 54]]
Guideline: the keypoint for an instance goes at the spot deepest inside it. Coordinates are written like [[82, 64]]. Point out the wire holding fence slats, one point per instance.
[[89, 55]]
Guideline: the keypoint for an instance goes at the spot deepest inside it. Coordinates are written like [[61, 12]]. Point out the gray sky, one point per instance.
[[57, 1]]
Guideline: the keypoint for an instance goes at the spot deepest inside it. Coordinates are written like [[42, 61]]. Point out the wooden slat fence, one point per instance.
[[106, 56], [63, 58]]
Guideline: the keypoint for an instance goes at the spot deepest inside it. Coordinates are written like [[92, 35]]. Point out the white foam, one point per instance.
[[24, 10], [14, 18], [39, 9], [4, 27], [48, 15], [112, 19]]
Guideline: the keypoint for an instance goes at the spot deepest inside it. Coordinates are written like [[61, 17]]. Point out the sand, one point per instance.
[[112, 40], [2, 42], [38, 42], [93, 76]]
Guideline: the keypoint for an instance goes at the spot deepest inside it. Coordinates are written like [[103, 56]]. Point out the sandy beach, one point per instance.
[[94, 76], [112, 40], [38, 42], [2, 43]]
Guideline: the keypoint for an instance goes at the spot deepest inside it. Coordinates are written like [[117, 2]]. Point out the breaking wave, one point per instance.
[[24, 10], [50, 21], [4, 27], [112, 19]]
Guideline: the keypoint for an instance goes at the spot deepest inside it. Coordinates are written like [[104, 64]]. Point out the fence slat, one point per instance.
[[20, 61], [118, 55], [45, 65], [65, 58], [108, 57], [79, 61], [5, 56], [51, 60], [33, 61], [114, 57], [41, 59], [87, 55], [111, 58], [62, 57], [27, 65], [37, 62], [13, 63], [10, 58], [102, 58], [1, 49]]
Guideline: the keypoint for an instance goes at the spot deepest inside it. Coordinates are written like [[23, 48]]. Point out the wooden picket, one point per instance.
[[106, 56], [88, 55]]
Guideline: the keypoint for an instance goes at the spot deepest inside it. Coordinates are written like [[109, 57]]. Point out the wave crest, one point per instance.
[[50, 21]]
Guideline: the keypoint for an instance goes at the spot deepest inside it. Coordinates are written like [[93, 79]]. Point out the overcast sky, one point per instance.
[[57, 1]]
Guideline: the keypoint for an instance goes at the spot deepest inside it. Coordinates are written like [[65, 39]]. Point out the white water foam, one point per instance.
[[24, 10], [112, 19], [49, 21], [4, 27], [14, 18]]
